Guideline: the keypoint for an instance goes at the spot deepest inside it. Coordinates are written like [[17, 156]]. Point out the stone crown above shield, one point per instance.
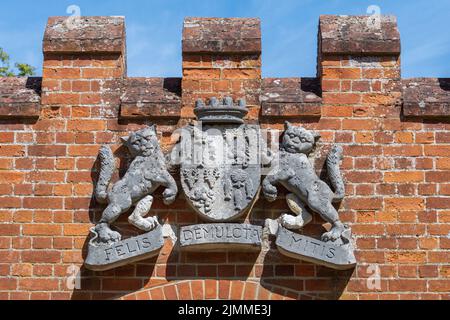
[[224, 111]]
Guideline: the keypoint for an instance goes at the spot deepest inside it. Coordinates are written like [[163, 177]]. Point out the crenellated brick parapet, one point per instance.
[[85, 65]]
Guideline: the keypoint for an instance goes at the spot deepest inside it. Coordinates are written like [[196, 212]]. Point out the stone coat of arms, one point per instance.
[[220, 161]]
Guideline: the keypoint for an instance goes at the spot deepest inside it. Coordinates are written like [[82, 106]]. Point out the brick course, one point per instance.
[[395, 135]]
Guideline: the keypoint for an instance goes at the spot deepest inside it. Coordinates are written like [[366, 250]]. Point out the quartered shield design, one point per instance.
[[221, 169]]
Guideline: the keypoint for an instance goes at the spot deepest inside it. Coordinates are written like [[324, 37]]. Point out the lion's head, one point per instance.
[[143, 142], [298, 139]]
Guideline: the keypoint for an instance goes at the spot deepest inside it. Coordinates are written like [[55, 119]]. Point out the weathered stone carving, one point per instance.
[[105, 257], [146, 173], [337, 255], [220, 171], [225, 112], [296, 174]]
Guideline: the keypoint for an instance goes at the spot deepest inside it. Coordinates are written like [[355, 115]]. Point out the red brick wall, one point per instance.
[[396, 170], [221, 68]]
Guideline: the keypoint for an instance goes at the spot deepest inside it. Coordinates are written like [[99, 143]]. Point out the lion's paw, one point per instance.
[[290, 222], [169, 200], [334, 234], [106, 235], [144, 224], [152, 223], [271, 196], [169, 197]]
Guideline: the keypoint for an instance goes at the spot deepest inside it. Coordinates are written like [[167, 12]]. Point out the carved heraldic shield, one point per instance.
[[220, 166]]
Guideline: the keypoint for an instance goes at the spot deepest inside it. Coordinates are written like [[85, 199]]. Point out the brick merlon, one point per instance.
[[368, 35], [85, 35], [222, 35]]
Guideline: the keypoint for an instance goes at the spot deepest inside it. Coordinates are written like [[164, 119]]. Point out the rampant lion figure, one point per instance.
[[296, 174], [145, 174], [203, 198]]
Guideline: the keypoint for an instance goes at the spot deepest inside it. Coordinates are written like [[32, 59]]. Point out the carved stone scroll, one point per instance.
[[316, 251], [221, 236], [105, 257]]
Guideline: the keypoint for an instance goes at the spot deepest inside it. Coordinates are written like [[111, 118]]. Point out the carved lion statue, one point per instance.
[[296, 174], [145, 174]]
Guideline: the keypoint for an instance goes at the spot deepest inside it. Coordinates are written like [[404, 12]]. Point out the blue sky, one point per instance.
[[289, 30]]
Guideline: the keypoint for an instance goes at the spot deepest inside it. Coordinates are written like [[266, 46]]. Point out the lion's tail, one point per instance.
[[107, 166], [334, 173]]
